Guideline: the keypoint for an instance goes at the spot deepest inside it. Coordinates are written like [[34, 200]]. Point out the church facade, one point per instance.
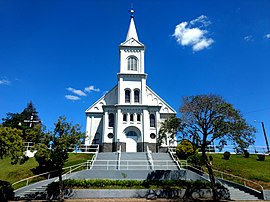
[[131, 113]]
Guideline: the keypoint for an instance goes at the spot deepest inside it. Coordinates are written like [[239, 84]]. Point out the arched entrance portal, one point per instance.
[[133, 135]]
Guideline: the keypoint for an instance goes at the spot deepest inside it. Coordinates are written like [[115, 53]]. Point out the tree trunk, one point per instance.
[[210, 171], [212, 180], [61, 186]]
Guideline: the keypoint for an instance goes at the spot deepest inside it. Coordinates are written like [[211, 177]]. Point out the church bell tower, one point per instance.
[[131, 78]]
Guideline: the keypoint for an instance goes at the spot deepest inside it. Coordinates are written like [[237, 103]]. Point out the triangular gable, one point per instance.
[[154, 99], [110, 98], [132, 42]]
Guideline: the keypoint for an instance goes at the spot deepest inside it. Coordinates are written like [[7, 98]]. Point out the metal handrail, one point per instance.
[[70, 167], [245, 181], [176, 161], [50, 172], [108, 164], [119, 158], [234, 176], [149, 156], [47, 173]]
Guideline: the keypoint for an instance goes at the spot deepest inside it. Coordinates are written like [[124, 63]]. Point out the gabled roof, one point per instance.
[[132, 43], [111, 99], [154, 99]]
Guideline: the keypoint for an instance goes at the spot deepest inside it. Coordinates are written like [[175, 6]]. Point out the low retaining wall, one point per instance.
[[138, 175], [142, 193], [266, 195]]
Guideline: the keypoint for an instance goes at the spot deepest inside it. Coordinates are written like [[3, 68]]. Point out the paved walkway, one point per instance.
[[135, 200]]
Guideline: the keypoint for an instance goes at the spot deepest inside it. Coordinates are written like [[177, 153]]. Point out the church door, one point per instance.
[[131, 141]]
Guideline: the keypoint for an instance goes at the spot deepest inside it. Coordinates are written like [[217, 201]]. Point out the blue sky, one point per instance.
[[63, 55]]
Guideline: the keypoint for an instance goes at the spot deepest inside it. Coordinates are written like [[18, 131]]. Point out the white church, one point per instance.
[[130, 114]]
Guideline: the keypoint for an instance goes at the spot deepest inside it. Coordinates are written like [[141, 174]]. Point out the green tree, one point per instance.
[[53, 151], [168, 130], [12, 145], [210, 118], [28, 121]]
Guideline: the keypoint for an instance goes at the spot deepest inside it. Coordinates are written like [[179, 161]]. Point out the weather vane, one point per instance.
[[132, 11]]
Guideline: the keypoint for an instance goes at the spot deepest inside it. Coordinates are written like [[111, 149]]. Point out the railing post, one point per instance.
[[27, 181]]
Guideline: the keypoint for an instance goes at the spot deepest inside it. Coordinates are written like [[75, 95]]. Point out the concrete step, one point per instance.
[[161, 156], [236, 194]]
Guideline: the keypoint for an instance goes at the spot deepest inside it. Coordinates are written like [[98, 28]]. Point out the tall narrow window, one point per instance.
[[124, 117], [137, 96], [131, 117], [138, 117], [127, 96], [152, 120], [132, 63], [111, 120]]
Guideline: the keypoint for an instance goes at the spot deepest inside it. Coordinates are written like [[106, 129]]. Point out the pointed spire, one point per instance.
[[132, 33]]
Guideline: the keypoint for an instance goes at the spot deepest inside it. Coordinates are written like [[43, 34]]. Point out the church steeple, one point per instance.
[[132, 33], [131, 78]]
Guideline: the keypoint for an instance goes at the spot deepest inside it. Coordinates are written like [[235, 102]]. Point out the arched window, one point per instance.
[[131, 117], [136, 96], [124, 117], [127, 96], [132, 63], [152, 120], [138, 117], [111, 120]]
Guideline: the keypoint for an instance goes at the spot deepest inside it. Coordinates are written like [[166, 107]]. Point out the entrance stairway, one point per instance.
[[137, 166]]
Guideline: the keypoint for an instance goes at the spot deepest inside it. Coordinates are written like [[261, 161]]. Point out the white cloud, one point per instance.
[[194, 34], [201, 19], [72, 97], [202, 44], [77, 92], [91, 88], [248, 38], [4, 82], [267, 36]]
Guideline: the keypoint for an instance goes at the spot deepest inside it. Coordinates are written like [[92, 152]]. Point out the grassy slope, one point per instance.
[[249, 168], [13, 173]]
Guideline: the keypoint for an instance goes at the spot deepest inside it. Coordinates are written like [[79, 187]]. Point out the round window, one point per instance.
[[152, 136], [110, 135]]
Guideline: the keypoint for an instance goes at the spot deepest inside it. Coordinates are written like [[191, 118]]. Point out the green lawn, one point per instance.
[[14, 173], [249, 168]]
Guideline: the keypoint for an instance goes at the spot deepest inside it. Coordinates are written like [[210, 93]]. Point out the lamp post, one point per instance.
[[265, 137]]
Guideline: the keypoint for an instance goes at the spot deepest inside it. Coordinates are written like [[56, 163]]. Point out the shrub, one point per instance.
[[261, 157], [226, 155], [195, 160], [246, 154], [53, 188], [184, 149], [6, 191]]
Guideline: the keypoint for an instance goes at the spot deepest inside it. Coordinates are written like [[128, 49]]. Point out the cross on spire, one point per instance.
[[132, 11], [31, 121]]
